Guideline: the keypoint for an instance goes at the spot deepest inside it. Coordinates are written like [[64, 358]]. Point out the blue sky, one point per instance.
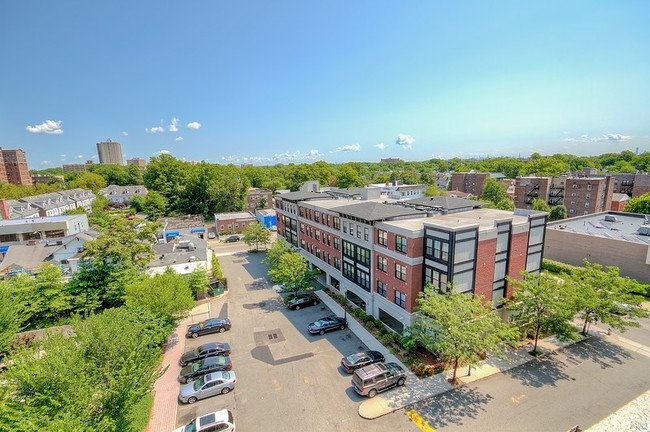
[[287, 81]]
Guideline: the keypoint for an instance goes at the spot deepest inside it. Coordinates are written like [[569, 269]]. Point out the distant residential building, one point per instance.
[[258, 198], [44, 205], [469, 182], [391, 160], [618, 202], [137, 162], [234, 222], [122, 194], [45, 178], [14, 168], [110, 152], [75, 167]]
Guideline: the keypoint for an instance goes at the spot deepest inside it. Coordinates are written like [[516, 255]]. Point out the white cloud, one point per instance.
[[381, 146], [155, 129], [612, 138], [47, 127], [179, 139], [194, 125], [160, 152], [173, 127], [79, 157], [347, 148], [125, 133], [404, 140], [63, 156], [46, 162], [295, 156]]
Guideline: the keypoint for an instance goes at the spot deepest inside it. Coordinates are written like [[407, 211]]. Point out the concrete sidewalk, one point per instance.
[[166, 387]]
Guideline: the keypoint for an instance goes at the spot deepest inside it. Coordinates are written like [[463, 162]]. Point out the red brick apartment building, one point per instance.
[[469, 182], [256, 196], [14, 168], [381, 254]]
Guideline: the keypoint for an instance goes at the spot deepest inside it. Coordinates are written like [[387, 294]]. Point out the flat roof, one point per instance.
[[44, 219], [234, 215], [624, 226], [303, 196], [485, 218], [446, 202], [376, 211]]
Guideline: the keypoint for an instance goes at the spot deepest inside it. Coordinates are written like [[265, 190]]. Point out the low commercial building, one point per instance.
[[608, 238], [183, 254], [234, 222]]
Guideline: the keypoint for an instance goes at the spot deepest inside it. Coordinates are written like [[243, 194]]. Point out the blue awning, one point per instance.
[[197, 230], [4, 249], [172, 233]]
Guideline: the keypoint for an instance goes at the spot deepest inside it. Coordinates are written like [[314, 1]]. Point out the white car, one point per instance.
[[211, 236], [221, 421]]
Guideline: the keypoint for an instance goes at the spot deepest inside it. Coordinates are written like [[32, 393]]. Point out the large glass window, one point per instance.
[[400, 244], [440, 250], [400, 299], [382, 264], [337, 223], [381, 288]]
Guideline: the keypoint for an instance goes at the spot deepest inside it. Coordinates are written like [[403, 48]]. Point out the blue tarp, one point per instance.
[[172, 233], [197, 230], [4, 249]]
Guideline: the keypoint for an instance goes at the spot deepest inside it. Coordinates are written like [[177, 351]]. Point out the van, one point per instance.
[[377, 377]]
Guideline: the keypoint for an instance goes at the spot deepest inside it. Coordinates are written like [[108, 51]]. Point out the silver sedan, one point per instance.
[[209, 385]]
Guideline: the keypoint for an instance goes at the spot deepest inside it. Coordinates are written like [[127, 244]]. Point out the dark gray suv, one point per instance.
[[377, 377]]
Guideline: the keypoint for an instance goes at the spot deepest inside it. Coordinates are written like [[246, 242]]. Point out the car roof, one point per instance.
[[219, 375], [216, 359], [212, 345], [214, 417]]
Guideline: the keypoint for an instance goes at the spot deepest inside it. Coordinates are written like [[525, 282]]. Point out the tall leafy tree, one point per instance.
[[557, 212], [276, 251], [639, 204], [9, 318], [543, 304], [602, 291], [540, 205], [87, 180], [460, 327], [168, 176], [154, 205], [198, 281], [347, 176], [257, 234], [292, 272], [494, 191], [167, 295]]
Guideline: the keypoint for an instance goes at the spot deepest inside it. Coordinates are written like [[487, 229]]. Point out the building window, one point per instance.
[[363, 256], [348, 249], [302, 212], [302, 227], [400, 299], [575, 186], [400, 272], [588, 187], [337, 223], [588, 196], [329, 240], [440, 250], [318, 235], [318, 252], [400, 244], [317, 216], [348, 270], [358, 231], [363, 280], [345, 227], [351, 229], [382, 237], [381, 288], [337, 263], [366, 234], [587, 204], [336, 243], [382, 264], [328, 220]]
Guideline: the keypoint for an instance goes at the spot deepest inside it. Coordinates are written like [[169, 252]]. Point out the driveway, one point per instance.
[[286, 378]]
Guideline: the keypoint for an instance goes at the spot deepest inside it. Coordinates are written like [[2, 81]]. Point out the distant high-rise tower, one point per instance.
[[13, 167], [110, 152]]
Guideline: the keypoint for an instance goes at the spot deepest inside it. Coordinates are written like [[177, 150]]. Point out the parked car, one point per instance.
[[377, 377], [204, 351], [302, 301], [326, 324], [203, 367], [221, 421], [361, 359], [231, 239], [211, 235], [212, 325], [207, 386]]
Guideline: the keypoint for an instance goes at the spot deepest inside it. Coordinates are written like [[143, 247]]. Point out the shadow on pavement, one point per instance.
[[600, 351], [542, 371], [453, 407]]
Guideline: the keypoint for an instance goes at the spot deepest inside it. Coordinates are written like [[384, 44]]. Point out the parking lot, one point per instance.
[[286, 377]]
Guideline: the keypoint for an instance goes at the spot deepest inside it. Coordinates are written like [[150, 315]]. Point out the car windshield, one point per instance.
[[319, 323], [196, 366], [356, 357], [191, 426], [226, 375], [199, 383]]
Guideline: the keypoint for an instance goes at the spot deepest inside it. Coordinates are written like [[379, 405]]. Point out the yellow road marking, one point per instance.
[[419, 421], [517, 399]]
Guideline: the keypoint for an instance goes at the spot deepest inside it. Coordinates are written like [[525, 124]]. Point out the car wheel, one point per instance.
[[297, 307], [401, 381], [372, 393], [322, 332], [192, 400], [225, 390], [342, 327], [189, 380], [222, 329], [195, 335]]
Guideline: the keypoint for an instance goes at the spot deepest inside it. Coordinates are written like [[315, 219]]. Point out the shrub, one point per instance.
[[557, 267], [386, 339], [370, 325], [394, 350]]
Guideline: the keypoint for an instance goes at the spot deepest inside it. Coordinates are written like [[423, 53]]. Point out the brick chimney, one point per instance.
[[4, 209]]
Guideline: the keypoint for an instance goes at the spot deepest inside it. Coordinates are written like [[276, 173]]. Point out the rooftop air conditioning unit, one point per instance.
[[610, 218]]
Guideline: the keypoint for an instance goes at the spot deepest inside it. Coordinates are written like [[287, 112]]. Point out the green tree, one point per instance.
[[494, 191], [434, 190], [9, 318], [461, 328], [542, 304], [87, 180], [167, 295], [198, 281], [347, 176], [639, 204], [557, 212], [169, 177], [154, 205], [601, 292], [292, 272], [50, 299], [505, 204], [257, 233], [276, 251], [540, 205]]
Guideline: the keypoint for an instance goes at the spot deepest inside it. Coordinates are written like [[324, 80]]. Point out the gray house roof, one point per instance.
[[445, 203], [374, 211], [303, 196]]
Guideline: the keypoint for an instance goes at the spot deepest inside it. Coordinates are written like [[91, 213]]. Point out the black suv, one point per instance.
[[212, 325], [361, 359], [231, 239], [301, 301], [203, 351], [202, 367]]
